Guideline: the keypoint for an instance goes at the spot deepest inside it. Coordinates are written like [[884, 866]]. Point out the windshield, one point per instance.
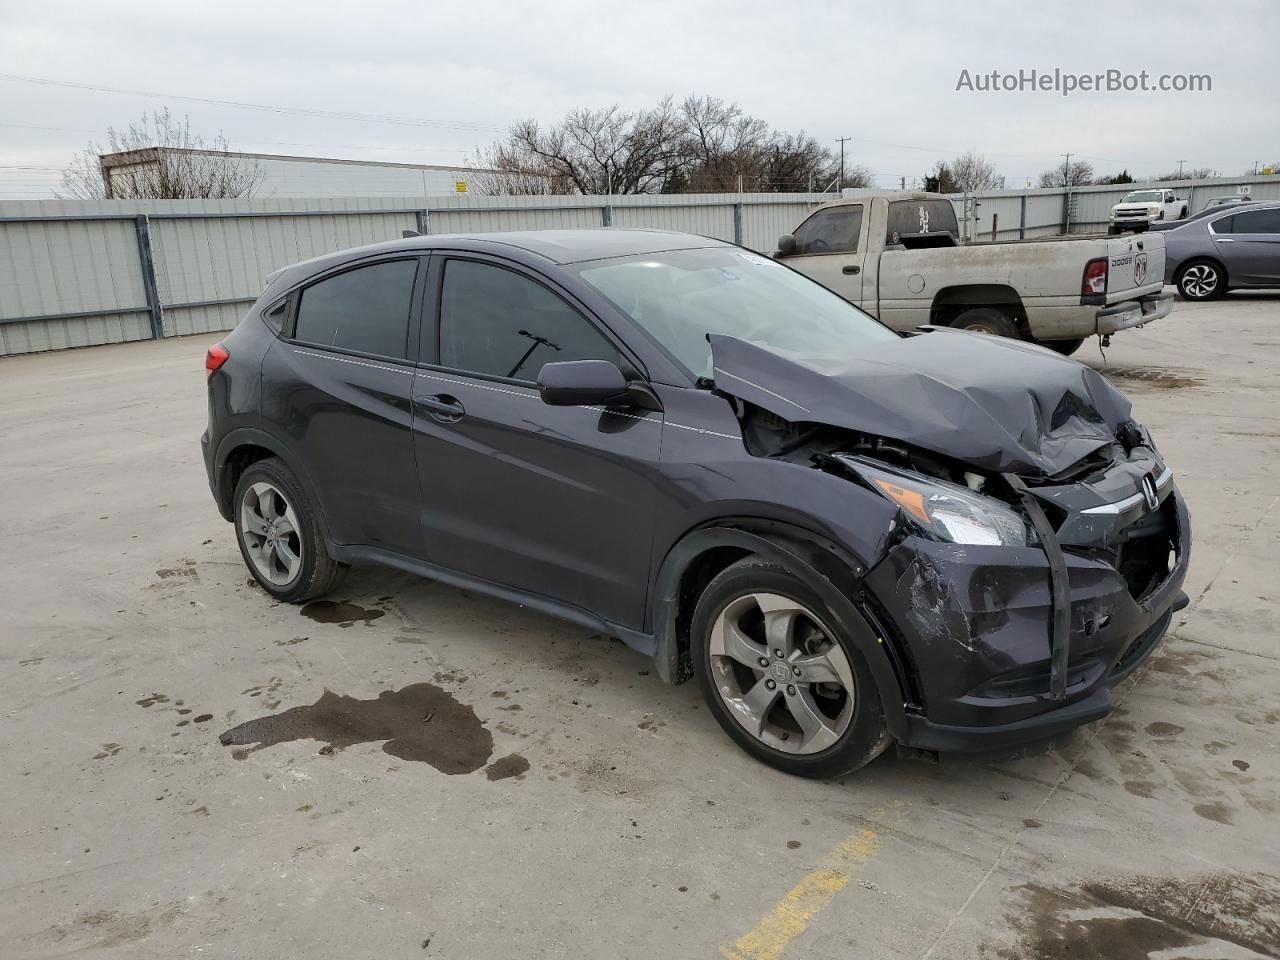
[[680, 296], [1143, 196]]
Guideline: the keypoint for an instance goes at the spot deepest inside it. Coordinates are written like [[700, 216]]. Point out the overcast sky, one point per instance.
[[884, 74]]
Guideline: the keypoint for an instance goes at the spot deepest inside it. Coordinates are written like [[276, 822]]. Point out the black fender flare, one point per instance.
[[830, 570], [257, 437]]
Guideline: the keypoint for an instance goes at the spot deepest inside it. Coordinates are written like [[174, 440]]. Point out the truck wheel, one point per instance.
[[1064, 347], [1201, 280], [987, 320]]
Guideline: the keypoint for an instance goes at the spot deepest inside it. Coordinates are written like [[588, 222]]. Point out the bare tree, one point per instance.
[[704, 144], [1187, 173], [596, 151], [1077, 174], [973, 172], [164, 160]]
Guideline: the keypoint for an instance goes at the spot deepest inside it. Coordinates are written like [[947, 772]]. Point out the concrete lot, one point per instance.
[[131, 640]]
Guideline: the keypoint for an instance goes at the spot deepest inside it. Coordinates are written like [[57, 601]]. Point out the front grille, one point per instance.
[[1146, 551]]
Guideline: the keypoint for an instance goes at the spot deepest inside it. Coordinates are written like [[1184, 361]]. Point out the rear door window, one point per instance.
[[834, 230], [1222, 224], [498, 323], [365, 310], [1255, 221]]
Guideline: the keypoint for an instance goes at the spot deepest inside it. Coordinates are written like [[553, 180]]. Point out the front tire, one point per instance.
[[987, 320], [279, 536], [1201, 280], [785, 685]]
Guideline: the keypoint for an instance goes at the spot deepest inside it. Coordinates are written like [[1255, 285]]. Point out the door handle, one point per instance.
[[1224, 239], [442, 407], [850, 269]]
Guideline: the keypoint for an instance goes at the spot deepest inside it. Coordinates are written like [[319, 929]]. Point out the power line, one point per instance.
[[268, 108]]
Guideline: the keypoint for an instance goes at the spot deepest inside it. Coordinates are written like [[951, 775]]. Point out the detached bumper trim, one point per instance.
[[942, 738]]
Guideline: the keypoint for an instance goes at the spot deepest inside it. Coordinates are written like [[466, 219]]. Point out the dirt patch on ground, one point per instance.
[[420, 722], [1152, 378], [1138, 917]]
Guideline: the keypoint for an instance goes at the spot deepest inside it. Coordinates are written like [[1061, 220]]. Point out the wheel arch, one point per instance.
[[950, 302], [835, 574], [240, 449]]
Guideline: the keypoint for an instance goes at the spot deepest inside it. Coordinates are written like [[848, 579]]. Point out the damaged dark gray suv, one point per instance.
[[849, 536]]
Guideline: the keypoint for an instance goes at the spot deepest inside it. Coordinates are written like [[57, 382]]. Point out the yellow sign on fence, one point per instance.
[[460, 186]]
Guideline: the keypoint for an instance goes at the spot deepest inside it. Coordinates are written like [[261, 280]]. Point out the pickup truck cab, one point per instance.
[[1141, 208], [898, 257]]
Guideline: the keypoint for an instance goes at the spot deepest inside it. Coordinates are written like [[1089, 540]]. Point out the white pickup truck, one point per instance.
[[898, 257], [1141, 208]]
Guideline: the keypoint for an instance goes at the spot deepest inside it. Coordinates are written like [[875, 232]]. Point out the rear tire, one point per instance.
[[1201, 280], [987, 320], [784, 686], [1064, 347], [279, 535]]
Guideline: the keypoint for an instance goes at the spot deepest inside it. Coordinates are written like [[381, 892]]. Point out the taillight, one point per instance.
[[215, 358], [1095, 277]]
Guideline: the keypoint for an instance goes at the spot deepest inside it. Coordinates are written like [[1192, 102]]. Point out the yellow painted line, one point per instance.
[[786, 921]]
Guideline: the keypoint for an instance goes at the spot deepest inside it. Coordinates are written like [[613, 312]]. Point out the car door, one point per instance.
[[1249, 243], [831, 248], [339, 384], [550, 501]]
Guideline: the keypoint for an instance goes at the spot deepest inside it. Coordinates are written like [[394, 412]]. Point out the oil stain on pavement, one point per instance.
[[344, 614], [1140, 917], [420, 722]]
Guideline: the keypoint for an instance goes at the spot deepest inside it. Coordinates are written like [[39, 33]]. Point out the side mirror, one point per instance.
[[574, 383], [786, 245]]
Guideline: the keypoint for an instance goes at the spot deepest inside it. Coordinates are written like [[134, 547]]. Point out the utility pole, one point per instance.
[[1255, 168], [1180, 163], [842, 141], [904, 184], [1066, 169]]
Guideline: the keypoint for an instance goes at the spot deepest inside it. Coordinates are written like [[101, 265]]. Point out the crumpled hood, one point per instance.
[[996, 404]]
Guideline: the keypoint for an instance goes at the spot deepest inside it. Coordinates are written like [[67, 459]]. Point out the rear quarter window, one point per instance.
[[365, 310]]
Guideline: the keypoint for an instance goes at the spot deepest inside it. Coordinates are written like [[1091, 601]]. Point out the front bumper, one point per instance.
[[1134, 313], [976, 622]]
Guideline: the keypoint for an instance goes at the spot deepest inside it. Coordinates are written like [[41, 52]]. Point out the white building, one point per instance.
[[283, 176]]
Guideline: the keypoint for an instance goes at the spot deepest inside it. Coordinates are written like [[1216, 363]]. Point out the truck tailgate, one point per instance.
[[1135, 266]]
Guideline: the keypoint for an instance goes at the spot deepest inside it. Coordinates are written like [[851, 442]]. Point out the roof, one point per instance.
[[595, 243], [558, 246]]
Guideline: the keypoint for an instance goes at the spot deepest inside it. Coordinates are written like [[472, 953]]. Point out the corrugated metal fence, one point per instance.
[[79, 272]]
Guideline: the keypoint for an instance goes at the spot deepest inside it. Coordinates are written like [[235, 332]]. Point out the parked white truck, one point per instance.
[[1141, 208], [898, 257]]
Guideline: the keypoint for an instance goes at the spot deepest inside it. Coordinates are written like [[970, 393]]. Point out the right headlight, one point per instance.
[[946, 511]]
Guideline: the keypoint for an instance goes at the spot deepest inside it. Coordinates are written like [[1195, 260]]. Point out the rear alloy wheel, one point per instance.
[[987, 320], [779, 679], [1201, 280], [279, 536]]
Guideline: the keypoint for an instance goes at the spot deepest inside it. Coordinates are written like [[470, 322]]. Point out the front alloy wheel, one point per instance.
[[780, 675]]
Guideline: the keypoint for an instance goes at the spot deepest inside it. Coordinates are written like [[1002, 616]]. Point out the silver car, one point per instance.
[[1221, 249]]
